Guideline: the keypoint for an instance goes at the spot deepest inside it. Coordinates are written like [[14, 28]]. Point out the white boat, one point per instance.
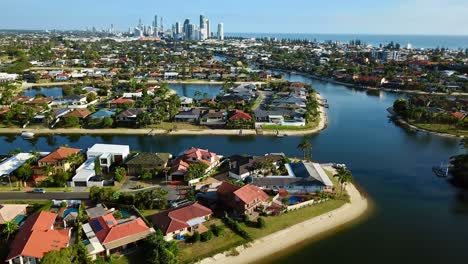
[[27, 134]]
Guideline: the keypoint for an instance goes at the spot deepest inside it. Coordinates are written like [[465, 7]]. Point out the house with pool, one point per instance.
[[108, 235], [302, 178]]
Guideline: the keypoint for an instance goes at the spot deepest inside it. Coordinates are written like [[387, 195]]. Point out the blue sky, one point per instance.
[[290, 16]]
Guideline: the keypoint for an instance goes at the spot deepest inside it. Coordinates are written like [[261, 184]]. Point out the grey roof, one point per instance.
[[149, 159], [285, 181], [97, 211]]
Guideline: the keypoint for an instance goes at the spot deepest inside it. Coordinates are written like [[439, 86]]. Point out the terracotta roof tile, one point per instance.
[[59, 154]]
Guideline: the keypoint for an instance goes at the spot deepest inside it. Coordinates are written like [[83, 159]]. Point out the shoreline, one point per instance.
[[26, 85], [280, 241], [370, 88], [406, 125], [154, 132]]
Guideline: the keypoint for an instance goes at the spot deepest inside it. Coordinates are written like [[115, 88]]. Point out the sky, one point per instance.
[[425, 17]]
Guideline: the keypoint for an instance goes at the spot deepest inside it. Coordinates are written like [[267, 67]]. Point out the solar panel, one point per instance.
[[97, 226]]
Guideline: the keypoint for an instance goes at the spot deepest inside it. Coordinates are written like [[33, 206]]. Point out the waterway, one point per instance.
[[418, 218]]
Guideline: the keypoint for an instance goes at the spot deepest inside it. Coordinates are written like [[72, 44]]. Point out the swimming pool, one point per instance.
[[69, 210], [294, 200]]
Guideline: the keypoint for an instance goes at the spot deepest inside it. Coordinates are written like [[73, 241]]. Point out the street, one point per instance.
[[44, 196]]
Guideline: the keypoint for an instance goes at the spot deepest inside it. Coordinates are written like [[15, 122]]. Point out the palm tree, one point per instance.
[[306, 147], [344, 177], [9, 228]]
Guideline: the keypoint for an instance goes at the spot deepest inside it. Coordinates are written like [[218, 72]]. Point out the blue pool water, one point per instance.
[[125, 214], [294, 200], [69, 210]]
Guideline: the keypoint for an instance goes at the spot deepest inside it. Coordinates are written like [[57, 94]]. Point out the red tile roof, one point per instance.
[[240, 115], [80, 113], [35, 237], [59, 154], [458, 115], [248, 193], [176, 219], [108, 230], [122, 101]]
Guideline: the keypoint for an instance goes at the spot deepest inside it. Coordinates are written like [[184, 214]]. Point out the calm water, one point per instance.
[[189, 90], [47, 91], [417, 41], [419, 218]]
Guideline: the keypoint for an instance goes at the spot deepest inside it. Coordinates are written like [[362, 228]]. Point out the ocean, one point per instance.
[[417, 41]]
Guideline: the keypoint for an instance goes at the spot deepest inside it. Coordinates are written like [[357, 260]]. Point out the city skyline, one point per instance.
[[299, 16]]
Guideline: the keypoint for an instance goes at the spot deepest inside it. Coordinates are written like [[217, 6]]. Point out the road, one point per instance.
[[44, 196]]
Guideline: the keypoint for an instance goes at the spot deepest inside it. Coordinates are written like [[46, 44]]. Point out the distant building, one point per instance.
[[220, 31]]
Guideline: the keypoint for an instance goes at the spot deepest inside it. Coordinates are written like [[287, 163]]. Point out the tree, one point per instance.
[[24, 172], [196, 237], [120, 173], [97, 167], [9, 228], [107, 122], [400, 106], [62, 256], [195, 171], [207, 236], [90, 97], [161, 251], [71, 121], [344, 177], [261, 222], [306, 147], [60, 178]]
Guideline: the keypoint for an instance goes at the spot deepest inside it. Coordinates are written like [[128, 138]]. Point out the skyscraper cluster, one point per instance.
[[182, 31]]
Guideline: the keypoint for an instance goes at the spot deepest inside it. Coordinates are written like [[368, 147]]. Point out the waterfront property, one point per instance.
[[59, 158], [147, 162], [13, 163], [243, 200], [182, 221], [304, 178], [191, 156]]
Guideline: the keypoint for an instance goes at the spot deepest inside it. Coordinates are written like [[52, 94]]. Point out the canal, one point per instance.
[[417, 217]]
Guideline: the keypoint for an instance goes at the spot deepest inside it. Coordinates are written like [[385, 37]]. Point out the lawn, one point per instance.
[[192, 252], [308, 126], [177, 126], [277, 223], [149, 212], [443, 128]]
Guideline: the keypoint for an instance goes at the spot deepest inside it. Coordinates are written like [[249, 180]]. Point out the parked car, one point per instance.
[[38, 190]]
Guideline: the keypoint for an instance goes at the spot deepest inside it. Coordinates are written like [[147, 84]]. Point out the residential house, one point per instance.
[[103, 113], [129, 116], [12, 212], [71, 100], [239, 114], [182, 220], [193, 155], [304, 178], [107, 154], [243, 200], [80, 113], [58, 159], [240, 167], [122, 103], [193, 115], [109, 235], [36, 237], [214, 118], [152, 162]]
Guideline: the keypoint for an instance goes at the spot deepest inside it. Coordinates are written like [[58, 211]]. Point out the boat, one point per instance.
[[441, 170], [27, 134]]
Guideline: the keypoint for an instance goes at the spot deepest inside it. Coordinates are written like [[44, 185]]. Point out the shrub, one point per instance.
[[234, 225], [63, 204], [196, 237], [217, 230], [208, 235], [261, 222], [118, 215]]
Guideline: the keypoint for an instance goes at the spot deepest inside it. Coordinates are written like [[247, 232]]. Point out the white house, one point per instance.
[[107, 155]]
